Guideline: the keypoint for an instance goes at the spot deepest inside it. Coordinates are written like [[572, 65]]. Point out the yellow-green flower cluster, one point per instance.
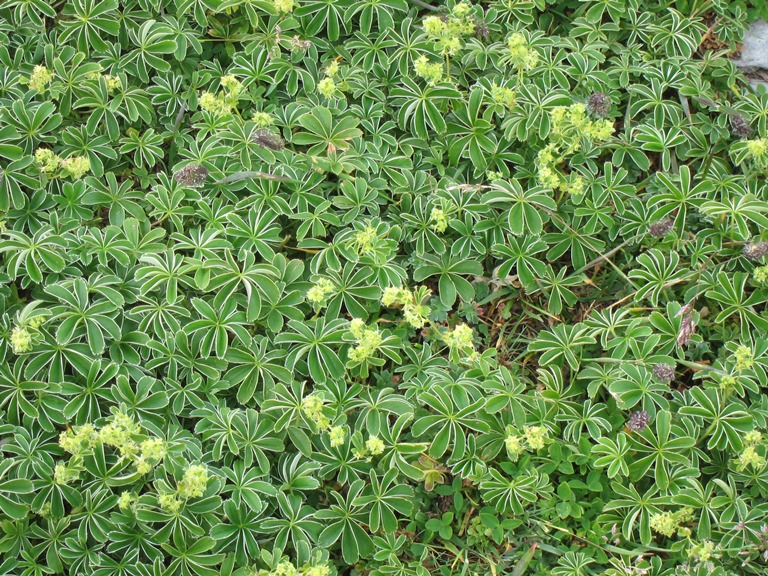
[[170, 503], [74, 167], [24, 334], [192, 485], [286, 568], [375, 445], [460, 338], [533, 438], [113, 82], [337, 435], [514, 444], [521, 55], [79, 439], [431, 72], [284, 6], [438, 220], [749, 456], [312, 407], [119, 433], [126, 501], [757, 149], [575, 185], [414, 312], [63, 474], [224, 102], [21, 340], [570, 127], [327, 87], [194, 482], [702, 552], [367, 341], [151, 452], [40, 78], [365, 240], [571, 124], [263, 119], [332, 69], [447, 32], [761, 274], [668, 523], [503, 96], [744, 357], [318, 294]]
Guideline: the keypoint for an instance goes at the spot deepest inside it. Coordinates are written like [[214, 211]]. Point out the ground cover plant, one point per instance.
[[382, 288]]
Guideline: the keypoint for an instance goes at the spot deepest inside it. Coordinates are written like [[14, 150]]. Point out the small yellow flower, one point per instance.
[[460, 338], [503, 95], [113, 82], [63, 475], [761, 275], [758, 148], [535, 437], [263, 119], [194, 483], [514, 444], [365, 240], [702, 552], [47, 161], [432, 73], [318, 293], [231, 84], [332, 69], [750, 457], [664, 523], [170, 503], [40, 78], [374, 445], [368, 341], [318, 571], [326, 87], [21, 340], [284, 6], [337, 435], [522, 56], [576, 186], [125, 501], [285, 568], [753, 438], [744, 358], [438, 220], [75, 167]]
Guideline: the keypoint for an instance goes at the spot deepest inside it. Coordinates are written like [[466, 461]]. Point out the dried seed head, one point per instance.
[[740, 126], [192, 175], [599, 104], [664, 372], [482, 30], [661, 228], [687, 328], [268, 139], [755, 250], [638, 420]]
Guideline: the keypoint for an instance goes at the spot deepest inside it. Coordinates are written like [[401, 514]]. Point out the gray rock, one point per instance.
[[754, 52], [753, 61]]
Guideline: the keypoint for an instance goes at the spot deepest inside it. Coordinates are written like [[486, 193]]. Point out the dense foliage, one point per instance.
[[383, 288]]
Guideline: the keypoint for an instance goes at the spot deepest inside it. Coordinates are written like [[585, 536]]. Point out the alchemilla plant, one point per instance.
[[382, 288]]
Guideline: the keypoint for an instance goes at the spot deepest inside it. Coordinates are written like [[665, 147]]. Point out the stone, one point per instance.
[[753, 61]]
